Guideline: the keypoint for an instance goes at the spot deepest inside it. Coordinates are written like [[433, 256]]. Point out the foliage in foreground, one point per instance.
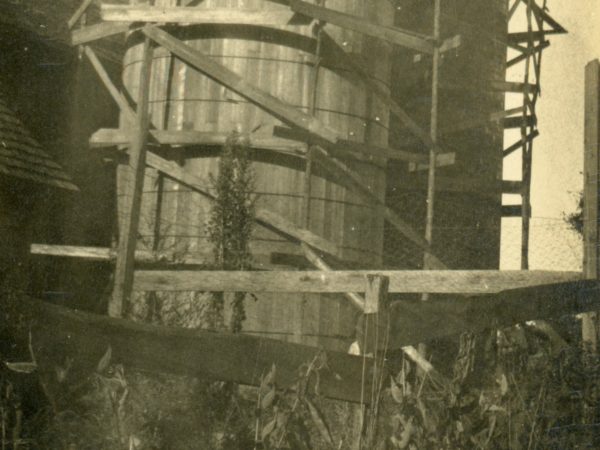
[[508, 389]]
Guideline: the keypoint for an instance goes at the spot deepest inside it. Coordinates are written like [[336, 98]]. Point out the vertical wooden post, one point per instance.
[[528, 109], [434, 135], [312, 109], [376, 321], [123, 282], [591, 235]]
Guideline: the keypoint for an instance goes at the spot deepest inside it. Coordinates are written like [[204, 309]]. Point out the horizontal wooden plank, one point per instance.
[[108, 137], [513, 211], [512, 187], [523, 37], [192, 15], [512, 86], [519, 121], [398, 36], [407, 281], [346, 146], [236, 83], [239, 358], [97, 31], [109, 254], [441, 160]]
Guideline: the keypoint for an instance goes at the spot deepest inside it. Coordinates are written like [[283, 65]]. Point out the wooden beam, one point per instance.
[[524, 36], [401, 281], [429, 202], [354, 182], [591, 170], [513, 211], [441, 160], [239, 358], [78, 13], [512, 187], [512, 86], [519, 144], [236, 83], [394, 35], [192, 15], [345, 146], [123, 278], [101, 30], [109, 137], [519, 121], [109, 254]]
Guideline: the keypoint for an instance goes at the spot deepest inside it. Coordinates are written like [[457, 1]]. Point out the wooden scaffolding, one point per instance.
[[490, 286]]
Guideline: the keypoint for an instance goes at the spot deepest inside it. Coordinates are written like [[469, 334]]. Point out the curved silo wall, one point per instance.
[[467, 204], [279, 61]]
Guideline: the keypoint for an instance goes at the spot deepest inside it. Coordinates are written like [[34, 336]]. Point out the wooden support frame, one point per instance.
[[123, 279], [192, 15], [179, 174]]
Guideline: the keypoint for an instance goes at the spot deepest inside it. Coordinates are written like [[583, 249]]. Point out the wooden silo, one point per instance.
[[467, 202], [279, 60]]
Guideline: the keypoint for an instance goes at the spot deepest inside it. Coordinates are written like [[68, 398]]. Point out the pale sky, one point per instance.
[[558, 151]]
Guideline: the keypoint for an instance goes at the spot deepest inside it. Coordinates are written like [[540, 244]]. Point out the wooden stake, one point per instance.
[[137, 161]]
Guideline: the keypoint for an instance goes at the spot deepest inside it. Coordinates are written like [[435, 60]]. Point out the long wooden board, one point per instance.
[[108, 137], [192, 15], [401, 281], [238, 358]]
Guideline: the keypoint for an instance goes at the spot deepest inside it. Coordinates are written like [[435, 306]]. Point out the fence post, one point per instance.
[[591, 266]]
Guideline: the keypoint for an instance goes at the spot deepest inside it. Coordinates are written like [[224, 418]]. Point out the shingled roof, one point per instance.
[[22, 156]]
